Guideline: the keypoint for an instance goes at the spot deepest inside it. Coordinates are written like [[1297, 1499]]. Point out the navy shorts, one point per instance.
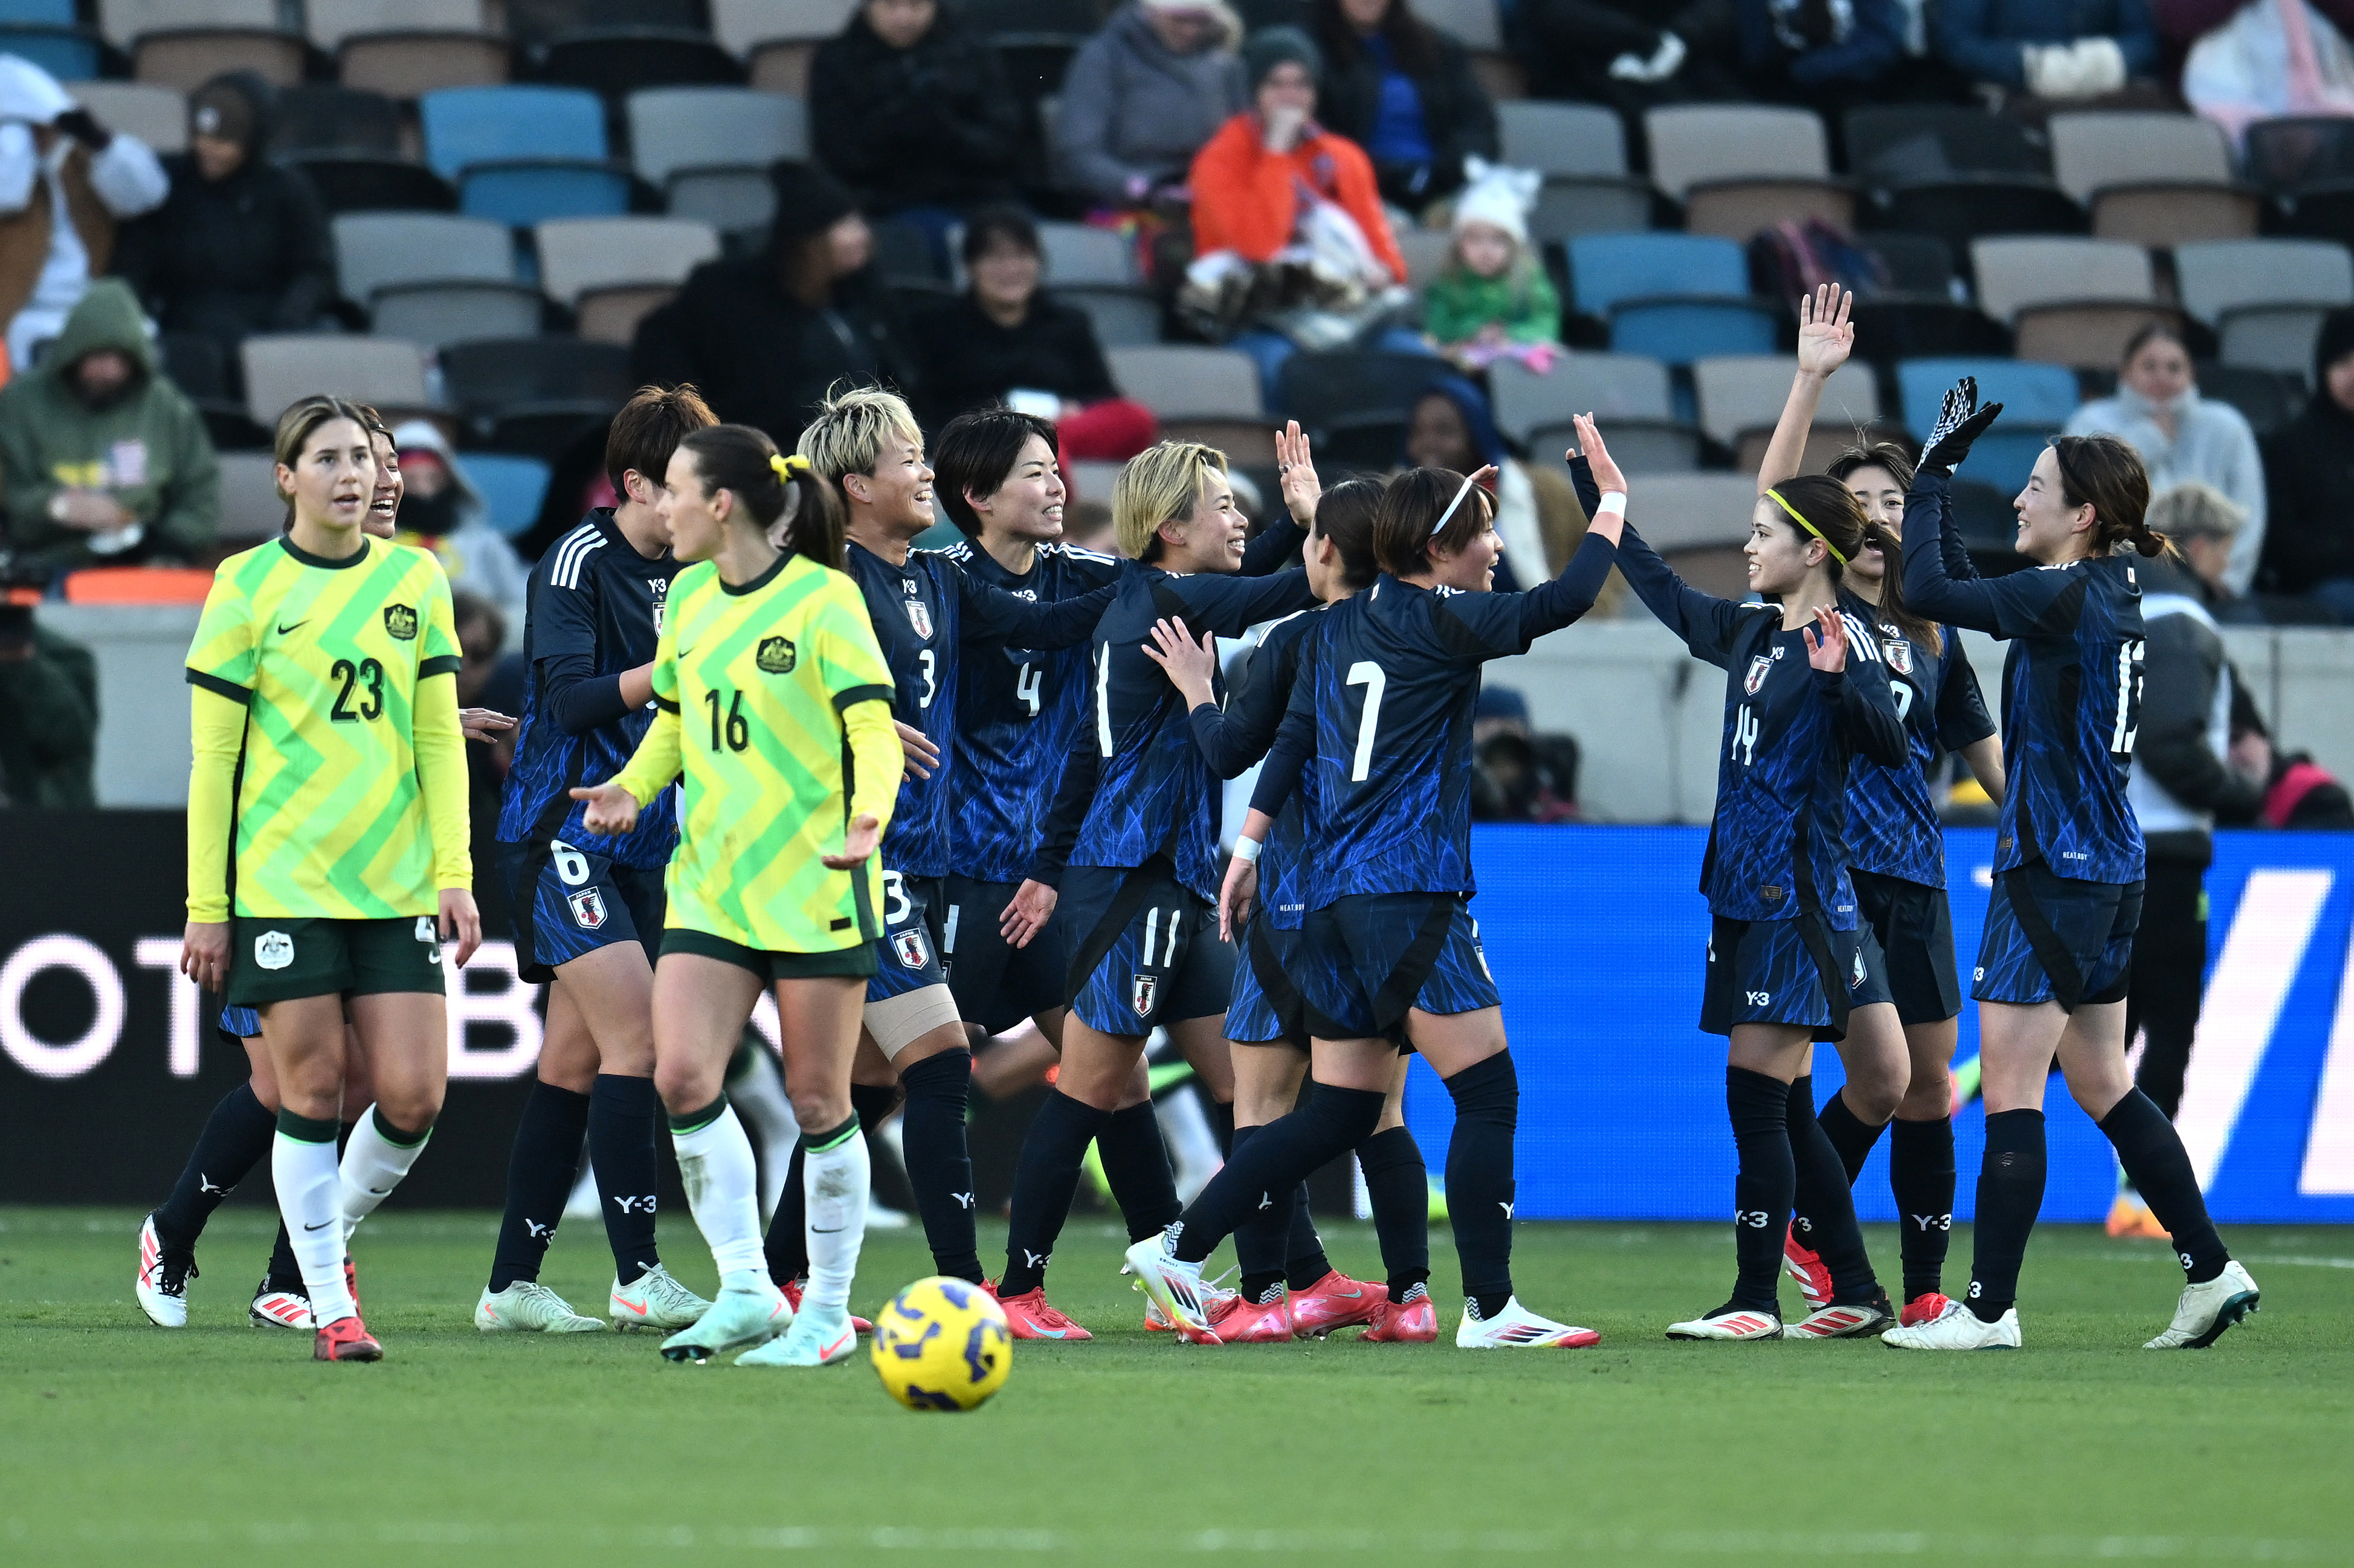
[[1145, 949], [240, 1023], [1267, 1007], [907, 954], [1914, 924], [569, 902], [997, 985], [1798, 972], [2052, 939], [1369, 956]]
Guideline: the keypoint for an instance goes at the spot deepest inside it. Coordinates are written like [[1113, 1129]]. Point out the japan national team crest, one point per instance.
[[1759, 668], [919, 615], [588, 908], [1143, 991], [1900, 654], [909, 946]]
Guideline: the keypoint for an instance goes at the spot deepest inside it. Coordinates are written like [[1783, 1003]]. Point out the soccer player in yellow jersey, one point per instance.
[[773, 701], [317, 664]]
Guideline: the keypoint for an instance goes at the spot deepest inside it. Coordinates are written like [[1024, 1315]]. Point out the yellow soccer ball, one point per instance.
[[942, 1344]]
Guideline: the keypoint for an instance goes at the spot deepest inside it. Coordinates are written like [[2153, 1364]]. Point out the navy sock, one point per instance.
[[622, 1112], [1399, 1186], [1275, 1159], [1480, 1186], [236, 1137], [1136, 1167], [940, 1165], [2010, 1194], [2159, 1168], [539, 1178], [1261, 1240], [1824, 1199], [1304, 1262], [1222, 1123], [1044, 1184], [1764, 1186], [1850, 1133], [284, 1272], [787, 1242], [1921, 1179]]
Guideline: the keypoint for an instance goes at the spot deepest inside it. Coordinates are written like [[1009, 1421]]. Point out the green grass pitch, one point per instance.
[[226, 1444]]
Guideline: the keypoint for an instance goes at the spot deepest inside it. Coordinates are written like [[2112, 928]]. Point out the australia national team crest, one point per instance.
[[919, 615], [588, 908], [1143, 991], [1898, 652], [776, 655], [1759, 668], [400, 623], [909, 946]]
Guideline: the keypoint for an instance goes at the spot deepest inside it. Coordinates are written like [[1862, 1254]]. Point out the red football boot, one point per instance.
[[1335, 1301], [793, 1289], [1415, 1323], [346, 1340], [1031, 1317]]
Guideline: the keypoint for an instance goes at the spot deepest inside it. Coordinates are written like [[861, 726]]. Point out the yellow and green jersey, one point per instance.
[[772, 702], [353, 802]]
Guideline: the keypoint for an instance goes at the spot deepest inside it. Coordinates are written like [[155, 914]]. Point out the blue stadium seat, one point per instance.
[[524, 154], [1679, 331], [39, 13], [2036, 401], [513, 487], [64, 52], [1605, 269]]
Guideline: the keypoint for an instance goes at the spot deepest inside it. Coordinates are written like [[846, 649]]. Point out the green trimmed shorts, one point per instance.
[[273, 958], [852, 963]]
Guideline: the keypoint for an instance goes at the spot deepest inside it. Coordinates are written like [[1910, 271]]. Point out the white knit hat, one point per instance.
[[1500, 196]]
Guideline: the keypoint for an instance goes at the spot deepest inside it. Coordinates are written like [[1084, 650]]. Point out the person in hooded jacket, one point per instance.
[[1405, 92], [240, 245], [442, 512], [763, 336], [1143, 95], [102, 461], [2309, 466], [912, 111]]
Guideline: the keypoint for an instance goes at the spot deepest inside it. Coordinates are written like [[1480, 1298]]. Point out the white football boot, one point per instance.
[[1175, 1288], [820, 1337], [2205, 1310], [528, 1306], [654, 1300], [1730, 1322], [1517, 1327], [1957, 1329], [740, 1319], [161, 1285]]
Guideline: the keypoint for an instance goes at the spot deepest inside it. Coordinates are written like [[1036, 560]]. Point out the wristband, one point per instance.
[[1247, 851], [1612, 501]]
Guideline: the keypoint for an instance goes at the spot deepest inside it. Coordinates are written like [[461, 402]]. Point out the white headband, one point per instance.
[[1461, 491]]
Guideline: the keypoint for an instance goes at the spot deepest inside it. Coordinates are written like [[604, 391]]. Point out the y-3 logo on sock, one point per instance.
[[1755, 1219], [1933, 1221], [2185, 1257], [1506, 1207], [1265, 1201], [539, 1232], [634, 1205], [205, 1184], [1034, 1259], [964, 1199]]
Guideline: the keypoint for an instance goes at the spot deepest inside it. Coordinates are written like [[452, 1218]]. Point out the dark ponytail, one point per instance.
[[2106, 474], [1832, 513], [1344, 515], [769, 488]]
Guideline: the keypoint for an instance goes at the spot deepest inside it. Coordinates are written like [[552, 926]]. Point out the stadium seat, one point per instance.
[[279, 368], [1681, 330], [1959, 210], [2015, 273], [2152, 178], [524, 154], [733, 128], [1568, 206], [1580, 149], [534, 395], [1092, 480], [2271, 337], [1699, 523], [138, 584], [1426, 251], [1607, 269], [614, 62], [67, 52], [1199, 393], [39, 14], [1474, 24], [156, 115], [1916, 263], [2037, 401], [731, 200], [251, 508], [439, 313], [377, 250], [612, 315], [1076, 254], [1126, 315], [377, 185], [1738, 168], [513, 487], [199, 366], [331, 22], [408, 65], [2267, 399], [534, 23], [2323, 210], [2088, 336], [1323, 391], [577, 255], [1739, 393], [320, 119], [776, 38], [2218, 275], [1628, 394], [189, 58], [1915, 143], [1987, 523], [2297, 150], [1890, 327]]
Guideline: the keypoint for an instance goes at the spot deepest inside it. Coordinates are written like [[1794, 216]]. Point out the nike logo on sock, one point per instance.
[[322, 1225], [380, 1191]]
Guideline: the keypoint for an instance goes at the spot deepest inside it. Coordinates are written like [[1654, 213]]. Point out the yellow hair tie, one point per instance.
[[1810, 527], [788, 466]]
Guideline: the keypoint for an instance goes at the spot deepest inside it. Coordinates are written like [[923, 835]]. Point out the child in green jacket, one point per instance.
[[1493, 299]]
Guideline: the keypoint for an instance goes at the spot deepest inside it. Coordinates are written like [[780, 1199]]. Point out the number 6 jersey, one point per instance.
[[771, 701]]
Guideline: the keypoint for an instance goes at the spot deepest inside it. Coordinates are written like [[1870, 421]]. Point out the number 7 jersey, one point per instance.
[[751, 683]]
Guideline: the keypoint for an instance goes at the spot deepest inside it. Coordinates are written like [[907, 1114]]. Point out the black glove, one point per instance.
[[83, 125], [1959, 424]]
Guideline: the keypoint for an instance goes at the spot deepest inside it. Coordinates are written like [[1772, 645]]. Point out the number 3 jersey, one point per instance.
[[1893, 827], [1776, 844], [770, 705], [2071, 691], [327, 658]]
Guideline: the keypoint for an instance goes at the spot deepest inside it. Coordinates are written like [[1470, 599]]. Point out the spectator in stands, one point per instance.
[[1286, 214], [1828, 58], [2300, 796], [2058, 51], [1142, 96], [2183, 437], [2251, 62], [1493, 299], [1087, 525], [912, 112], [1405, 92], [1537, 513], [104, 462], [1003, 340], [240, 244], [441, 511], [2310, 462], [1632, 55], [48, 714], [763, 336], [66, 180]]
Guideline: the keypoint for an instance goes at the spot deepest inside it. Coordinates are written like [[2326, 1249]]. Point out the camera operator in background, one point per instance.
[[48, 714]]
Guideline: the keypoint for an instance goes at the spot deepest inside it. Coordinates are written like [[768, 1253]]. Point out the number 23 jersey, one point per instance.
[[751, 683]]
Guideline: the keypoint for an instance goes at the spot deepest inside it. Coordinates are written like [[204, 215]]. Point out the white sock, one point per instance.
[[834, 1180], [714, 1161], [306, 1180], [373, 1166], [759, 1093]]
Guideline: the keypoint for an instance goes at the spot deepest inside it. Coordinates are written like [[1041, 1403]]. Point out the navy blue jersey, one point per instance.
[[1016, 710], [1132, 768], [1381, 718], [2071, 691], [1891, 820], [596, 610], [1775, 844], [1239, 735], [928, 619]]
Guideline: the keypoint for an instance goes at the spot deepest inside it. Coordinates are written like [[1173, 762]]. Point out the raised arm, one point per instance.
[[1934, 585], [1856, 687], [1295, 465], [1825, 340], [995, 619]]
